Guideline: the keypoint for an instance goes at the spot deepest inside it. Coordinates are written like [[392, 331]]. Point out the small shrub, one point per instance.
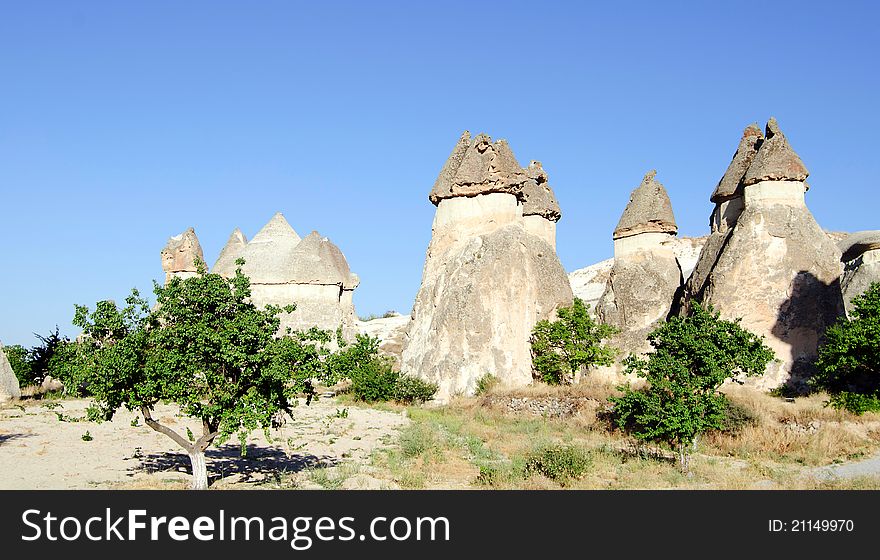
[[857, 403], [563, 347], [412, 390], [416, 440], [374, 380], [486, 383], [735, 417], [95, 414], [87, 436], [559, 463]]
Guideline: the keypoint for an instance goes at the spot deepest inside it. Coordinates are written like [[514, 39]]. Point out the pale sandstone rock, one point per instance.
[[475, 313], [589, 283], [9, 389], [861, 264], [225, 265], [179, 255]]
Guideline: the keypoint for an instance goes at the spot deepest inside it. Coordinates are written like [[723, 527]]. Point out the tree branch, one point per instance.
[[181, 441]]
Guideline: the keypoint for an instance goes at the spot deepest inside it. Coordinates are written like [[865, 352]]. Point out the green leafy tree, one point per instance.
[[20, 362], [691, 358], [45, 358], [848, 365], [562, 347], [204, 347]]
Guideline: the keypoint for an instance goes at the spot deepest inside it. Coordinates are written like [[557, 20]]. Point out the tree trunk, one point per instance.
[[196, 451], [199, 470]]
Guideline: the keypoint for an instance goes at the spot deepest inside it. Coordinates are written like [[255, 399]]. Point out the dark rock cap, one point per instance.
[[858, 243], [730, 186], [537, 196], [478, 166], [775, 160], [649, 210]]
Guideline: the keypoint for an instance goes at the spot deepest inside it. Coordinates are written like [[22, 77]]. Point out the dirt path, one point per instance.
[[40, 451], [852, 469]]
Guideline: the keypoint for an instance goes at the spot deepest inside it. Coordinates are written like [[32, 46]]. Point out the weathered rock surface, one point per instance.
[[475, 314], [730, 185], [179, 255], [775, 160], [589, 283], [9, 389], [861, 264], [538, 197], [775, 268], [478, 166], [490, 272], [649, 210], [225, 264]]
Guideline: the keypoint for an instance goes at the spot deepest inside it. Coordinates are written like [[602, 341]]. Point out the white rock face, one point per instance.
[[9, 389], [589, 283]]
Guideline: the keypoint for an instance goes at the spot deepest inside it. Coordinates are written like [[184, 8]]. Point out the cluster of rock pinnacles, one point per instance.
[[491, 270]]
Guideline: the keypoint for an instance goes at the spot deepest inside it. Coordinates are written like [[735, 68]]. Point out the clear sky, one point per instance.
[[123, 123]]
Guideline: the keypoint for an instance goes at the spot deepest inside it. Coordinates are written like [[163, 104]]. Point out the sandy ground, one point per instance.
[[40, 451]]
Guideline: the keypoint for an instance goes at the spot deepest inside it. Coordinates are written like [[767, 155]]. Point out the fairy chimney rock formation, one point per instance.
[[647, 222], [180, 254], [860, 255], [9, 389], [488, 277], [774, 267], [539, 207], [232, 251], [645, 275], [284, 269], [728, 195]]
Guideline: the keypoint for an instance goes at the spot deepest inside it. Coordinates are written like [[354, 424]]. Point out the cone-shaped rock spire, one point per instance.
[[730, 185], [317, 260], [478, 166], [775, 160], [233, 249], [649, 210], [268, 252]]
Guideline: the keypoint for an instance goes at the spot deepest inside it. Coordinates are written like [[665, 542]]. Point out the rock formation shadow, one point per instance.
[[811, 308], [9, 437], [227, 460]]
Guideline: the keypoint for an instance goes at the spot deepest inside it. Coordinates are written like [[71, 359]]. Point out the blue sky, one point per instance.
[[124, 123]]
